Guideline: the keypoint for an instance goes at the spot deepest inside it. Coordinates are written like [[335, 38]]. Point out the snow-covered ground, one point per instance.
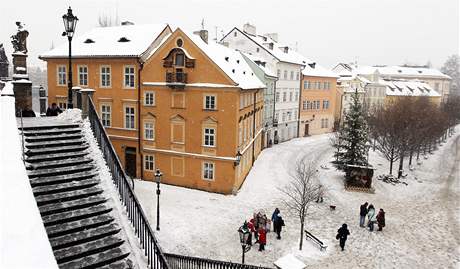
[[421, 218]]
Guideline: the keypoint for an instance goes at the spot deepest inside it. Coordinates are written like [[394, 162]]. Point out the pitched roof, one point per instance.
[[230, 61], [403, 71], [119, 41], [408, 88], [258, 61], [316, 70]]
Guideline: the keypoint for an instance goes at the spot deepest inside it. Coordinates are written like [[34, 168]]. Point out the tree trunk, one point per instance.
[[400, 169], [418, 153], [391, 161], [301, 233], [410, 157]]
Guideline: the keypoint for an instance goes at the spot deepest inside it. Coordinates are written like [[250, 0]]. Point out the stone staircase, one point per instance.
[[82, 230]]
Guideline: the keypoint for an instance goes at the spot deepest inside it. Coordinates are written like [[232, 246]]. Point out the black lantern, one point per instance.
[[244, 234], [237, 158], [158, 176], [70, 22]]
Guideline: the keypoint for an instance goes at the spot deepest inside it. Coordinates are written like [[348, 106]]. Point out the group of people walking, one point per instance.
[[259, 225], [369, 211]]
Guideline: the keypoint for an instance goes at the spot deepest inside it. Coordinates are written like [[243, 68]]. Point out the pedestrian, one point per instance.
[[246, 227], [278, 226], [268, 224], [253, 229], [362, 214], [262, 238], [381, 219], [53, 110], [263, 221], [372, 217], [320, 199], [274, 216], [28, 112], [342, 234]]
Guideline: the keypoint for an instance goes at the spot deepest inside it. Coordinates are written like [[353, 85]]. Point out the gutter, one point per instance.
[[139, 105], [300, 99], [254, 126]]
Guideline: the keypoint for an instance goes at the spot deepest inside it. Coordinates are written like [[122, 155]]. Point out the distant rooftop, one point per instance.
[[408, 88]]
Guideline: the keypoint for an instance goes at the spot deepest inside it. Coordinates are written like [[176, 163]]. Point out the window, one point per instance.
[[297, 76], [289, 115], [129, 77], [149, 162], [325, 104], [129, 117], [276, 116], [304, 105], [318, 86], [105, 76], [83, 75], [324, 123], [209, 137], [277, 97], [436, 86], [61, 75], [278, 72], [208, 171], [210, 102], [235, 33], [179, 59], [106, 115], [149, 98], [284, 117], [290, 96], [149, 131], [305, 84], [257, 49], [292, 75], [284, 96], [296, 96], [62, 104], [285, 74]]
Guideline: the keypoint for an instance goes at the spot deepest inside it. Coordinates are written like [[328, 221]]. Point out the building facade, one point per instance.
[[288, 65], [318, 100]]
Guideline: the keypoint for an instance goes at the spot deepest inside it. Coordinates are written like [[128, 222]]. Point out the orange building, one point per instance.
[[318, 100], [182, 105]]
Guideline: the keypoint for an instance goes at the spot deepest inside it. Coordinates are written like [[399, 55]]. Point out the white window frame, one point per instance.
[[80, 74], [149, 162], [105, 114], [61, 76], [129, 78], [208, 171], [214, 102], [148, 99], [104, 76], [125, 115], [209, 138], [149, 131]]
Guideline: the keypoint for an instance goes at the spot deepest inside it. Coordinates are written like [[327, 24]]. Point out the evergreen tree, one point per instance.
[[352, 136]]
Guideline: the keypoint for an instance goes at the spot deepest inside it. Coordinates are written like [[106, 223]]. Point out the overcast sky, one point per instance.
[[327, 31]]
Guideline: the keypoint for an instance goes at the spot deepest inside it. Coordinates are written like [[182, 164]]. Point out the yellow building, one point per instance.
[[400, 88], [318, 100], [193, 107]]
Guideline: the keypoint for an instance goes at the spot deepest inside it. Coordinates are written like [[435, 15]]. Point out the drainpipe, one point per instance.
[[254, 128], [300, 100], [139, 105], [274, 108]]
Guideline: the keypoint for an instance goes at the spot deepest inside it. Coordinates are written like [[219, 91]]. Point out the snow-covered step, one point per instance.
[[79, 251], [60, 170], [118, 265], [78, 225], [71, 205], [67, 196], [55, 156], [55, 143], [97, 260], [58, 163], [43, 151], [84, 236], [49, 126], [65, 187], [37, 138], [75, 215], [53, 131], [42, 181]]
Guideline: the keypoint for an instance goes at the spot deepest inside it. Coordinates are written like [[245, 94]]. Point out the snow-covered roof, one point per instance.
[[289, 262], [7, 89], [408, 88], [118, 41], [316, 70], [230, 61], [258, 61], [402, 71]]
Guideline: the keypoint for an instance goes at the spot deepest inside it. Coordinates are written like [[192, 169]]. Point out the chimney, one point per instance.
[[270, 45], [273, 36], [127, 23], [203, 35], [249, 29], [285, 49]]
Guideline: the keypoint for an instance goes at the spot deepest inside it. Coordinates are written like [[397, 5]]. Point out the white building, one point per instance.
[[288, 65]]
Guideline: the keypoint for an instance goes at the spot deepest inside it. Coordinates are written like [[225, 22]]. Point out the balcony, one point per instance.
[[176, 79]]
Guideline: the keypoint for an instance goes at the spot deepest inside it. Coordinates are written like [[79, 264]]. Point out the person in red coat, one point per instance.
[[262, 238], [253, 230]]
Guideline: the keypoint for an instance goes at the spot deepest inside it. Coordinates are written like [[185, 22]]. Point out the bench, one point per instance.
[[321, 245]]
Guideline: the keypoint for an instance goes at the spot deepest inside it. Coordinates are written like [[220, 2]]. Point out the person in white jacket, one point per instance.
[[372, 217]]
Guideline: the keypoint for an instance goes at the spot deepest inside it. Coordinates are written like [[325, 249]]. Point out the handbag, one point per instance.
[[337, 236]]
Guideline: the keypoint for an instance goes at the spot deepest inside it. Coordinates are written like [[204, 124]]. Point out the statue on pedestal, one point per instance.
[[19, 40]]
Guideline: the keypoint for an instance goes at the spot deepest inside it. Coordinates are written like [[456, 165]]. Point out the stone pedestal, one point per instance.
[[22, 86], [85, 95]]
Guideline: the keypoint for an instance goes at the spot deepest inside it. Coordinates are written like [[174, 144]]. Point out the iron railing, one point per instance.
[[155, 257], [186, 262]]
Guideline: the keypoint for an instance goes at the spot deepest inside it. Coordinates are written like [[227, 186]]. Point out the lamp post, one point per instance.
[[244, 233], [158, 175], [70, 22]]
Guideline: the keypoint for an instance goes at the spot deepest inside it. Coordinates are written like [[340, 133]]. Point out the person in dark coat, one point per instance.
[[362, 214], [262, 238], [246, 227], [342, 234], [27, 112], [381, 219], [53, 110], [274, 216], [278, 226]]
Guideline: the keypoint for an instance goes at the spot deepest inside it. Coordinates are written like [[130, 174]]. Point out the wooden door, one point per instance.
[[130, 161]]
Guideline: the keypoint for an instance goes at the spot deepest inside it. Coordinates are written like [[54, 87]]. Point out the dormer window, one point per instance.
[[179, 59], [88, 41], [123, 39]]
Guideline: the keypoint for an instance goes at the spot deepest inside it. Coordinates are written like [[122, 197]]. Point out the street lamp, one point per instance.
[[158, 175], [70, 22], [244, 233]]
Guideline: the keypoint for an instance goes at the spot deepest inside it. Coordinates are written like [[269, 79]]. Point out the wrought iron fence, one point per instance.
[[156, 258], [186, 262]]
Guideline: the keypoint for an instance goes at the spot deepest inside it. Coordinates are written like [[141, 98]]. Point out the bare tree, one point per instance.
[[301, 191]]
